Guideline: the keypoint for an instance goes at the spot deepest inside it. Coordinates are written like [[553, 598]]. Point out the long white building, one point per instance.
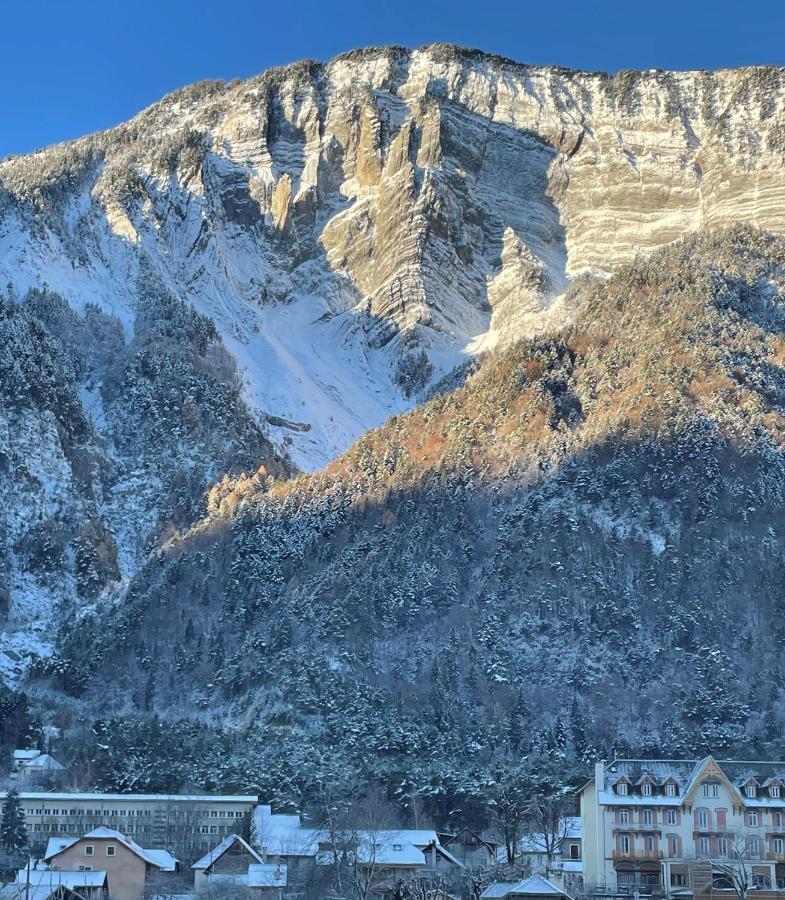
[[674, 827], [190, 823]]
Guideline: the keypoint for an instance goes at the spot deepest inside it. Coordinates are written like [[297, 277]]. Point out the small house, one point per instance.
[[226, 864]]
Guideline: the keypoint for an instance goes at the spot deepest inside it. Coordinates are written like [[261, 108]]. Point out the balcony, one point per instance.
[[636, 855], [776, 857], [638, 827]]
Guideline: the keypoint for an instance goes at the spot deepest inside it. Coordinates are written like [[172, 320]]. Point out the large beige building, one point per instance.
[[187, 824], [679, 828]]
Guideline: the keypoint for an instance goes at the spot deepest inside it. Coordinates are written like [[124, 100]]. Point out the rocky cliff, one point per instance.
[[332, 218]]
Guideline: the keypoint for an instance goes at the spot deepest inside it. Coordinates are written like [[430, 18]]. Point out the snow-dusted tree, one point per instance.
[[736, 873], [13, 832]]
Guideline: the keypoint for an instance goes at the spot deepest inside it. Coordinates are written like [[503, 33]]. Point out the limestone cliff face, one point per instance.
[[331, 218]]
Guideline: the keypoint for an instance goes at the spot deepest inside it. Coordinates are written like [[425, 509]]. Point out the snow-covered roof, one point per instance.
[[43, 761], [570, 828], [686, 773], [266, 875], [573, 827], [56, 844], [497, 889], [161, 859], [534, 885], [284, 835], [26, 754], [383, 849], [419, 837], [168, 798], [218, 851], [55, 877]]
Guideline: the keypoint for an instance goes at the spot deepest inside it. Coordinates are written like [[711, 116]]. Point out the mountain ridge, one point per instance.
[[263, 271]]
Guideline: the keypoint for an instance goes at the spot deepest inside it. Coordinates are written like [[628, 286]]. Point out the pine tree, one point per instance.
[[13, 833]]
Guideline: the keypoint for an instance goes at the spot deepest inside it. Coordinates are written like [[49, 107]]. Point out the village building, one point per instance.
[[559, 857], [39, 883], [187, 824], [676, 828], [40, 770], [227, 863], [128, 867], [470, 849], [23, 757]]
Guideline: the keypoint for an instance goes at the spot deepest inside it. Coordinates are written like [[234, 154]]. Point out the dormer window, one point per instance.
[[670, 789], [397, 848], [621, 788], [774, 791], [750, 791], [646, 789], [711, 789]]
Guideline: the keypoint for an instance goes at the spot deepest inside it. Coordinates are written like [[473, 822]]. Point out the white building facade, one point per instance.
[[670, 828]]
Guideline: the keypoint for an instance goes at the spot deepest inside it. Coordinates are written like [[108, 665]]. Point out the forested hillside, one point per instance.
[[575, 552], [108, 443]]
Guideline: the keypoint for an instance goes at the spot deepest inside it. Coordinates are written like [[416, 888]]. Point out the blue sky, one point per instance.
[[68, 67]]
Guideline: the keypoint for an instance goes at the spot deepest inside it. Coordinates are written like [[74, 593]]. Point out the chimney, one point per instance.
[[599, 774]]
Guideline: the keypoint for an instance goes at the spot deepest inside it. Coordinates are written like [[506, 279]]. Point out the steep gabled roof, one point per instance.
[[161, 859], [455, 838], [226, 844], [444, 853], [536, 884]]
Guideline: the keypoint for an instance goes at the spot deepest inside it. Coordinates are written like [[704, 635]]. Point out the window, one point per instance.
[[648, 817], [85, 868], [111, 850], [624, 816], [760, 881], [670, 789], [649, 843], [678, 879], [703, 846], [670, 816], [646, 789], [749, 790], [777, 819], [754, 847], [89, 850], [722, 846], [624, 844], [397, 848], [621, 788], [703, 819], [778, 846], [575, 851], [752, 817], [213, 829], [774, 791], [673, 845]]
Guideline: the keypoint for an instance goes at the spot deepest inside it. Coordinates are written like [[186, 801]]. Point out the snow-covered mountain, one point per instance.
[[331, 218], [352, 231]]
